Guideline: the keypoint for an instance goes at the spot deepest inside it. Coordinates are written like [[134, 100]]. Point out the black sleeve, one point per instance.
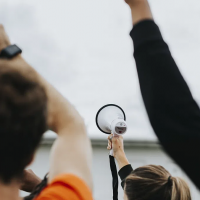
[[124, 172], [172, 111]]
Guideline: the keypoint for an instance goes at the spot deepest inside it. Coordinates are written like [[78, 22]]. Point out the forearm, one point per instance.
[[72, 154], [121, 159], [60, 111], [124, 166], [140, 10], [29, 187]]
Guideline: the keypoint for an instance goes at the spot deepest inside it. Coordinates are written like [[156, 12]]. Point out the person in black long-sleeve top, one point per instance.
[[150, 182], [124, 166], [172, 111]]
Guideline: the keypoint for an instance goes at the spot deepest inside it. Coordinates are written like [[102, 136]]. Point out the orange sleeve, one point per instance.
[[66, 187]]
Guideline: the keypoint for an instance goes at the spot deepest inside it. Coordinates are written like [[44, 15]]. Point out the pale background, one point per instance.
[[83, 48]]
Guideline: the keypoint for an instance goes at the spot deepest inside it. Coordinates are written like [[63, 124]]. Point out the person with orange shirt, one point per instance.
[[29, 106]]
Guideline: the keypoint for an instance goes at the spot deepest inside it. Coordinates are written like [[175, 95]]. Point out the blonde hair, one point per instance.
[[154, 182]]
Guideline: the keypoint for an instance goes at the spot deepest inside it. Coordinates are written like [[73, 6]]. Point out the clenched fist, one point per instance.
[[140, 10], [116, 143]]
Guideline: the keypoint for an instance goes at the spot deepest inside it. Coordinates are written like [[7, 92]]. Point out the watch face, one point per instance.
[[10, 51], [13, 49]]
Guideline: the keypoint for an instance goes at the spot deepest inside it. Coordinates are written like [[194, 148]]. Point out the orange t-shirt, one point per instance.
[[66, 187]]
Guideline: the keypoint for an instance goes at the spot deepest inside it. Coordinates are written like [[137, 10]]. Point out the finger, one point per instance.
[[108, 148], [109, 142], [110, 137]]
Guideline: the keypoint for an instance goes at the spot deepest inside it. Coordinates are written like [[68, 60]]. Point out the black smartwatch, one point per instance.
[[10, 51]]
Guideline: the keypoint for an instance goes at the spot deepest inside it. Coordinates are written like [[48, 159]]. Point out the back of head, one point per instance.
[[153, 182], [23, 108]]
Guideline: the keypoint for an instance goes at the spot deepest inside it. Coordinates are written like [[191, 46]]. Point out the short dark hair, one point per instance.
[[23, 120]]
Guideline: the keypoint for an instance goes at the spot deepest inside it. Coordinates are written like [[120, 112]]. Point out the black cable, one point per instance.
[[113, 169]]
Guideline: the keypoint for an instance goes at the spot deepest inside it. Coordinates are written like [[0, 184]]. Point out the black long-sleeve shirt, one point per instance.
[[124, 172], [173, 113]]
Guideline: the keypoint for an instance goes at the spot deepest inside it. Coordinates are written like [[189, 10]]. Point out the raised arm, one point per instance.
[[125, 169], [71, 152], [140, 10], [173, 113]]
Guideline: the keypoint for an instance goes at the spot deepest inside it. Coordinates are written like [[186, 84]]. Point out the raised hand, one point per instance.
[[140, 10], [116, 143]]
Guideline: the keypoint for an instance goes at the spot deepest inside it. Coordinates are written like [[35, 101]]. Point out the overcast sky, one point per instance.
[[83, 48]]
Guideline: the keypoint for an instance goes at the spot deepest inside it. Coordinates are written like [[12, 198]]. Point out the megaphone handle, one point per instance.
[[111, 152]]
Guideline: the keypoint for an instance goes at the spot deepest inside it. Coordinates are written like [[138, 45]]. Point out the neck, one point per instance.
[[9, 191]]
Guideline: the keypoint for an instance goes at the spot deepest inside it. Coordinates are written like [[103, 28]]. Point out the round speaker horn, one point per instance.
[[106, 115]]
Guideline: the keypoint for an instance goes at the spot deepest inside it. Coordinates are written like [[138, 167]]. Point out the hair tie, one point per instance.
[[170, 181]]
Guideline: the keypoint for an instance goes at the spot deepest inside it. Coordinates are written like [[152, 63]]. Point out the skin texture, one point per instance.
[[140, 10], [4, 40], [116, 143], [29, 181], [125, 197], [62, 119]]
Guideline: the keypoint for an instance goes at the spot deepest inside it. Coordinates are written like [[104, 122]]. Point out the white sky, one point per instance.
[[83, 48]]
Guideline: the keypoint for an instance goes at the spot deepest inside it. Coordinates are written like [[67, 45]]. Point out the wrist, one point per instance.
[[121, 159], [140, 10]]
